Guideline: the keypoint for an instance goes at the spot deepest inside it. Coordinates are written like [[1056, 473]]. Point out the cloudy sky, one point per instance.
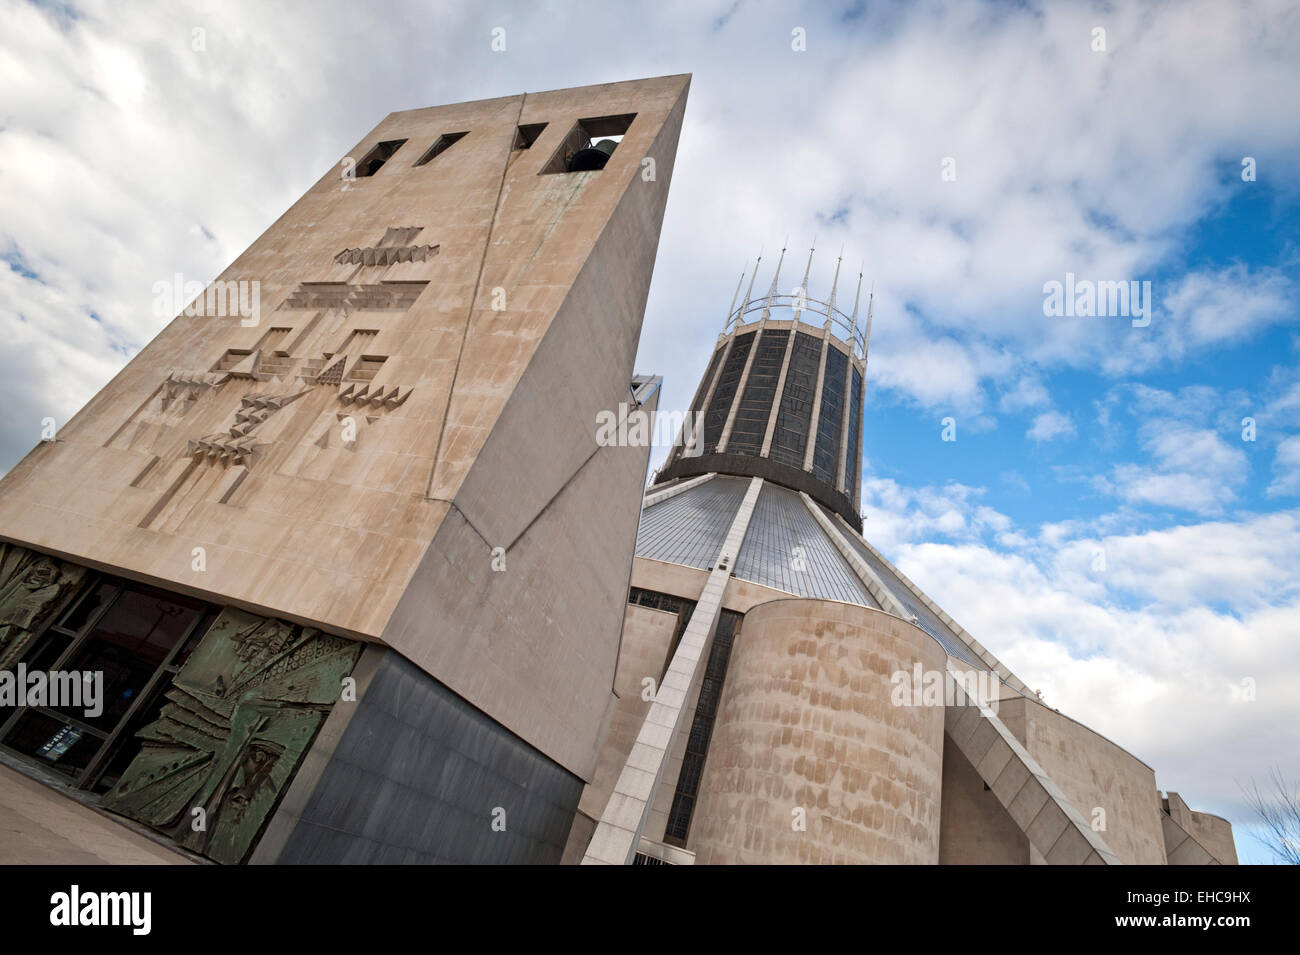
[[1104, 521]]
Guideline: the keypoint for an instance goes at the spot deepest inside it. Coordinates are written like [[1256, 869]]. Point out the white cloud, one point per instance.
[[1286, 468], [851, 136], [1189, 492], [1050, 425], [897, 514], [1150, 651], [1191, 466], [1227, 305], [1027, 393]]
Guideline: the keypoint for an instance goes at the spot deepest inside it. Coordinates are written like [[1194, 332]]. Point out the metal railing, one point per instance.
[[800, 308]]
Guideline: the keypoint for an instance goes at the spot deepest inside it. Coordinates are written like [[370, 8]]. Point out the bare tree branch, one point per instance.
[[1278, 808]]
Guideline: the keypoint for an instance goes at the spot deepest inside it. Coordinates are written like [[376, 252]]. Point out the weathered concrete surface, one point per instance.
[[974, 828], [806, 722], [647, 639], [1103, 781], [1212, 833]]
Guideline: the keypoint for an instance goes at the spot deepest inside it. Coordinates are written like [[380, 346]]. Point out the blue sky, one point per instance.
[[131, 155]]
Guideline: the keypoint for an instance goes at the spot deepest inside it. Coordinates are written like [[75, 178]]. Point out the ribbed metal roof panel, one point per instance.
[[926, 618], [768, 556], [689, 528]]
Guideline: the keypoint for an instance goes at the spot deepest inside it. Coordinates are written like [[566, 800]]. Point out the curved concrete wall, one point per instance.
[[1094, 774], [1215, 834], [806, 720]]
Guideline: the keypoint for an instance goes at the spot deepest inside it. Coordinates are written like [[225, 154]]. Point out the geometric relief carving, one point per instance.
[[381, 297], [32, 587], [188, 385], [177, 394], [377, 396], [359, 337], [333, 374], [237, 441], [401, 235], [240, 715], [183, 479], [382, 256], [239, 363], [393, 248], [237, 447]]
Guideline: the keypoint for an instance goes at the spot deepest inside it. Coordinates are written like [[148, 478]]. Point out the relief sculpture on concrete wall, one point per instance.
[[32, 587], [201, 433], [240, 714]]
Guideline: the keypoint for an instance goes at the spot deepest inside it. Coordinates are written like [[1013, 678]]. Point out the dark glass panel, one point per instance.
[[697, 745], [128, 644], [854, 459], [830, 424], [750, 426], [45, 652], [197, 634], [55, 744], [715, 419], [127, 747], [790, 438], [80, 612]]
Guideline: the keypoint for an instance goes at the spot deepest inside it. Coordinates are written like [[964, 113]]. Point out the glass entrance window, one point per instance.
[[133, 638], [54, 742], [129, 643]]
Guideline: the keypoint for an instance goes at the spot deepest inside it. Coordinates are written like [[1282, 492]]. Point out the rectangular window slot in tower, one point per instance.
[[589, 144], [527, 134], [441, 145], [380, 154]]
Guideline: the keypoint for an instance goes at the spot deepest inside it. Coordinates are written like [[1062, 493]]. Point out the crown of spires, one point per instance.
[[831, 311]]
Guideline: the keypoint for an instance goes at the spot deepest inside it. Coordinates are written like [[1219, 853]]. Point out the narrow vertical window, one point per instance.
[[697, 744]]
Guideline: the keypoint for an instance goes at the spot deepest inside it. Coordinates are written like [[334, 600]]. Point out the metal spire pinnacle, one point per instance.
[[808, 268], [830, 309], [853, 330], [803, 287], [776, 277], [727, 320], [749, 292], [866, 335]]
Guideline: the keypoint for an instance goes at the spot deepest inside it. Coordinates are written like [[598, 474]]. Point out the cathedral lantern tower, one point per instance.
[[782, 397]]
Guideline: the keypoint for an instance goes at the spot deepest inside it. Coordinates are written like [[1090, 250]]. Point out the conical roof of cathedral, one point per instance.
[[798, 546]]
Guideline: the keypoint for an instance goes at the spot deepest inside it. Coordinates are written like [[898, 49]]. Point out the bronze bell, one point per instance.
[[593, 157]]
